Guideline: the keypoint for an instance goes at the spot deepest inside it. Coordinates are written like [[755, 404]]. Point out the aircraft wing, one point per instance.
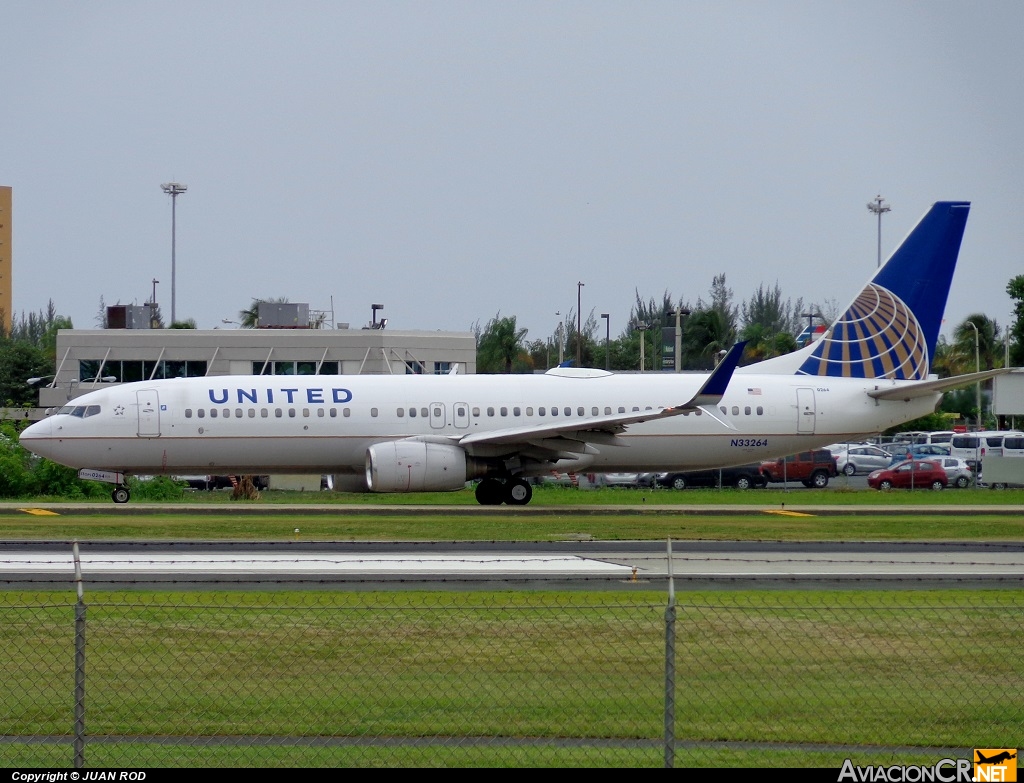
[[913, 390], [575, 435]]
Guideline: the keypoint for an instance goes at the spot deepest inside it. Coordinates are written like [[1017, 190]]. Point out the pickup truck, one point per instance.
[[812, 468]]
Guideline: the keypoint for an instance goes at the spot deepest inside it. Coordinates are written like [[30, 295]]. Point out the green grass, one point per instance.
[[867, 670], [510, 524]]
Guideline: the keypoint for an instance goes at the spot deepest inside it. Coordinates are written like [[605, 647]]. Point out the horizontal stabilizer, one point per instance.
[[912, 391]]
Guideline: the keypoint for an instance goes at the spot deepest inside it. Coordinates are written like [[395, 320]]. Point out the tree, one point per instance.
[[987, 340], [19, 361], [1015, 288], [769, 323], [707, 333], [500, 345]]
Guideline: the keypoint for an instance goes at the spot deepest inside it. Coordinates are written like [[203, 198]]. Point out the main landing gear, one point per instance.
[[121, 495], [494, 492]]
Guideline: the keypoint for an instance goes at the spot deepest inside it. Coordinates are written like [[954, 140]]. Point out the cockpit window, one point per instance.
[[81, 411]]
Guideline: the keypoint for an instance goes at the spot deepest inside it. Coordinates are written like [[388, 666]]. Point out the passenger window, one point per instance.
[[567, 411], [723, 409], [213, 413], [201, 413], [593, 411], [607, 410], [264, 413], [529, 411], [581, 411], [636, 409], [305, 413], [735, 410], [412, 413], [423, 412], [490, 411], [319, 413], [476, 412], [188, 413], [760, 411], [746, 411], [278, 413], [622, 409], [373, 412], [437, 413], [252, 413], [541, 411], [238, 413], [291, 413], [401, 413], [504, 411], [554, 411], [516, 411]]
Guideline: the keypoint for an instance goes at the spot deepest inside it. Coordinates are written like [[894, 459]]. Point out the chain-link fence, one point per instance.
[[202, 676]]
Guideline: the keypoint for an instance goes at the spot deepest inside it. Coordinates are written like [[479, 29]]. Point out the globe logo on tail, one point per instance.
[[877, 337]]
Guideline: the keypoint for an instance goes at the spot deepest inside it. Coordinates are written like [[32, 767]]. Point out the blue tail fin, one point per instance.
[[891, 328]]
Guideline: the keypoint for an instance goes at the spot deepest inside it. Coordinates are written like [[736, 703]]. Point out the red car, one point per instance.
[[910, 474]]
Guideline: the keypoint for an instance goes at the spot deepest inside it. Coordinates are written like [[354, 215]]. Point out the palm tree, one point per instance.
[[707, 333], [501, 343]]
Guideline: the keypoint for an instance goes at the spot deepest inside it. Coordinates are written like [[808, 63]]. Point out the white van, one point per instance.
[[973, 446]]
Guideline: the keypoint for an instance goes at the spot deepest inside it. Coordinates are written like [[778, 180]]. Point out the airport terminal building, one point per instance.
[[87, 359]]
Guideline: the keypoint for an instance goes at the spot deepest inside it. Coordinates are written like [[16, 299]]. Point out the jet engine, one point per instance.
[[415, 466]]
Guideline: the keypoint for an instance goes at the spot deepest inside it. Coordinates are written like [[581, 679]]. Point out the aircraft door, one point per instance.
[[148, 404], [460, 414], [437, 416], [805, 411]]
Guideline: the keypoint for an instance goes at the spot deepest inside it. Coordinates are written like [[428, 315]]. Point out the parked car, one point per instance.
[[861, 459], [625, 479], [921, 451], [740, 477], [811, 468], [958, 472], [910, 474]]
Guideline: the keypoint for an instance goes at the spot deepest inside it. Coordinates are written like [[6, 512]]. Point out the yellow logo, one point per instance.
[[995, 765]]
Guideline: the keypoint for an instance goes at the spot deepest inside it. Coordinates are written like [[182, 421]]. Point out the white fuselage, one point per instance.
[[324, 424]]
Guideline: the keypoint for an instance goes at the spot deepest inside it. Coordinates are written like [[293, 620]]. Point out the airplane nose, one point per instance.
[[36, 432]]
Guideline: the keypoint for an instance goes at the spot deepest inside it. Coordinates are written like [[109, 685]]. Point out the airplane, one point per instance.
[[415, 433], [996, 759]]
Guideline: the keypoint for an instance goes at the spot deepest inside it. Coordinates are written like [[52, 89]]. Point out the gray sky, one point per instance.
[[453, 160]]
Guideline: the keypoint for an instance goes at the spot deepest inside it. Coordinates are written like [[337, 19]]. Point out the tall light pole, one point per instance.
[[579, 325], [642, 327], [977, 367], [878, 206], [679, 312], [607, 340], [173, 189]]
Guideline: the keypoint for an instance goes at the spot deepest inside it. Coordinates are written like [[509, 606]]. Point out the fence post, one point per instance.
[[670, 668], [79, 664]]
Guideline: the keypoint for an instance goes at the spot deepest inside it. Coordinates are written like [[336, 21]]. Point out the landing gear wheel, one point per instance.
[[490, 492], [518, 492], [121, 495]]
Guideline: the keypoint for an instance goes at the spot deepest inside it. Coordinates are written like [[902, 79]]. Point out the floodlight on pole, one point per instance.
[[173, 189], [579, 324], [977, 367], [375, 308], [607, 340], [879, 207]]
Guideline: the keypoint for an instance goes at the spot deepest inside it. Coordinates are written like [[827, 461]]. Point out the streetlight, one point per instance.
[[607, 340], [173, 189], [878, 206], [679, 312], [977, 367], [642, 327], [579, 325]]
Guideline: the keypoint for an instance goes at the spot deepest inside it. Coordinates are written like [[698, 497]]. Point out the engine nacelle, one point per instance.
[[415, 466]]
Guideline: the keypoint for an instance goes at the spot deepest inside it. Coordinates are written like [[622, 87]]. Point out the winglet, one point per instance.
[[714, 387]]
